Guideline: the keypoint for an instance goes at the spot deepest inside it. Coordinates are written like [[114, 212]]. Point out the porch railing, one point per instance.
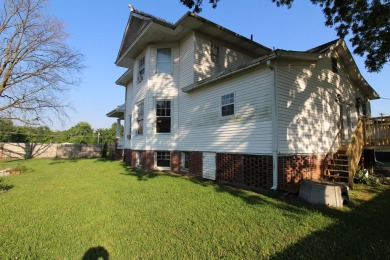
[[377, 132]]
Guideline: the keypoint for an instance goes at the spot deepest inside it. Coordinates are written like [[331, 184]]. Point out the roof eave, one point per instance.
[[273, 55], [125, 78], [353, 70]]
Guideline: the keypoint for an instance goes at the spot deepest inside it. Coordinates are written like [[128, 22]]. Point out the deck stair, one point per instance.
[[338, 168]]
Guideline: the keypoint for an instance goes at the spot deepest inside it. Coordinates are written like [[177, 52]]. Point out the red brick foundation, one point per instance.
[[195, 164], [292, 169], [254, 171], [175, 161], [127, 156]]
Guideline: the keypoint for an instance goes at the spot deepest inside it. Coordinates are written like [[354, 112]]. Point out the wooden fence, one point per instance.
[[33, 150]]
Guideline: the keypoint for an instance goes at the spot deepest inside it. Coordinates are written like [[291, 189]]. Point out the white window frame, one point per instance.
[[138, 159], [226, 101], [143, 117], [141, 69], [183, 158], [129, 134], [162, 168], [158, 62], [170, 116]]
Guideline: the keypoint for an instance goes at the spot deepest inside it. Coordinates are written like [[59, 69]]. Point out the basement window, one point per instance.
[[185, 158], [163, 159]]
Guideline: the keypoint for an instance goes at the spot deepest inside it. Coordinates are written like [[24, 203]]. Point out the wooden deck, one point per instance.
[[377, 133]]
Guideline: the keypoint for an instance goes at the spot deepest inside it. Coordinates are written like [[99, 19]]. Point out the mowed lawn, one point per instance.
[[75, 209]]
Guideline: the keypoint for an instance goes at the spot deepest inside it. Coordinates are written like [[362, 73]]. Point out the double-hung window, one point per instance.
[[140, 118], [163, 116], [164, 60], [129, 135], [163, 159], [227, 104], [141, 69]]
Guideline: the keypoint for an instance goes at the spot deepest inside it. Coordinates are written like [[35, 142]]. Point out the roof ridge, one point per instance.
[[323, 47], [151, 16]]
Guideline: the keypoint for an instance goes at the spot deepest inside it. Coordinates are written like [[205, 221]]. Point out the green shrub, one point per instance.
[[366, 178]]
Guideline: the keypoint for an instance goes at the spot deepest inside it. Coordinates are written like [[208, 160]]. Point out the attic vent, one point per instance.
[[334, 65]]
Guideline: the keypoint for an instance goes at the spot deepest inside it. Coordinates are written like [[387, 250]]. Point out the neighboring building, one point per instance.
[[203, 99]]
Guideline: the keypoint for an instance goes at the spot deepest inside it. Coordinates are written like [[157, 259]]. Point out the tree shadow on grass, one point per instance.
[[63, 160], [362, 233], [95, 253], [141, 175]]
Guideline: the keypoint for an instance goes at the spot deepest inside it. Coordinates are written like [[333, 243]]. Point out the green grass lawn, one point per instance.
[[70, 209]]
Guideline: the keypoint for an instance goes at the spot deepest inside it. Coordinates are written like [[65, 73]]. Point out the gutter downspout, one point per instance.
[[275, 143]]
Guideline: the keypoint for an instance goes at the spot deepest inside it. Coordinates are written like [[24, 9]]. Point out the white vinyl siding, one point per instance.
[[201, 127], [186, 59], [204, 65], [308, 114], [128, 114], [163, 87], [140, 93]]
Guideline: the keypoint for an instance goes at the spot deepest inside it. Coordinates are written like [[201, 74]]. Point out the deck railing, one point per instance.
[[354, 152], [377, 132]]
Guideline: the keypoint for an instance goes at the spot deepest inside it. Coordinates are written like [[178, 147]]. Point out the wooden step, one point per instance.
[[336, 170]]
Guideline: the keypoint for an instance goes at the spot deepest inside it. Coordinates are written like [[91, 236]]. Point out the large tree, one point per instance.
[[367, 20], [36, 64]]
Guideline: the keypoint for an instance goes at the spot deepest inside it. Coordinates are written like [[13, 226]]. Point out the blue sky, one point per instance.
[[96, 28]]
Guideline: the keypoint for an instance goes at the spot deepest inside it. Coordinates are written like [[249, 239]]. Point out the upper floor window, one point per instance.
[[334, 65], [141, 69], [129, 135], [140, 118], [214, 51], [163, 116], [164, 60], [227, 103]]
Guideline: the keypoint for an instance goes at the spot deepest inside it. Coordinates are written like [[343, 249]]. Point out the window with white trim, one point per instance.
[[141, 69], [185, 159], [129, 135], [163, 116], [163, 159], [140, 118], [227, 104], [164, 60], [214, 52], [138, 159]]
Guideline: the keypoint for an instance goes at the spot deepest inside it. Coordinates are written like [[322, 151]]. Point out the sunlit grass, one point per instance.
[[65, 209]]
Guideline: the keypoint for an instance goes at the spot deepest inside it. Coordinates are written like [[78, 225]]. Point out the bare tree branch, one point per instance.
[[37, 67]]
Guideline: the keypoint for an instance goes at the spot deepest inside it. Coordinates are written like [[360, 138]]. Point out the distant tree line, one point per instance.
[[81, 133]]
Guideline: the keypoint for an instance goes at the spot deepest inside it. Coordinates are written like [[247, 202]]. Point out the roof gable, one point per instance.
[[135, 25], [143, 29]]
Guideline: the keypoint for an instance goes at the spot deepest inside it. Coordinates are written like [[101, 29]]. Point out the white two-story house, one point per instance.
[[204, 100]]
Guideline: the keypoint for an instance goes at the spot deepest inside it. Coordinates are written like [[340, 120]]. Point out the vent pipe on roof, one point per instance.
[[251, 37]]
